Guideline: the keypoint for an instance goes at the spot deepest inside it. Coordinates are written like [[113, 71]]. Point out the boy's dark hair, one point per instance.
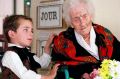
[[12, 23]]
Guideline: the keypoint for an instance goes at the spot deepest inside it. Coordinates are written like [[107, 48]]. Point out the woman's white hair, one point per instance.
[[68, 4]]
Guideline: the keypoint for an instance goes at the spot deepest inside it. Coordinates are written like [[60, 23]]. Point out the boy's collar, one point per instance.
[[11, 44]]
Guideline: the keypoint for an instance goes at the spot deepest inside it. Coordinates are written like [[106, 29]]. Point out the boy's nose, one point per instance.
[[31, 33]]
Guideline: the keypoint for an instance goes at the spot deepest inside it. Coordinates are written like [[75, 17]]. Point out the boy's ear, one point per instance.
[[11, 33]]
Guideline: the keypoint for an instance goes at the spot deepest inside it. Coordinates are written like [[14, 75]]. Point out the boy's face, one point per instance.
[[24, 34]]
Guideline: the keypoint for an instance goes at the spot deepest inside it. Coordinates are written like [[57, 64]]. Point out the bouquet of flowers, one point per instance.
[[110, 69]]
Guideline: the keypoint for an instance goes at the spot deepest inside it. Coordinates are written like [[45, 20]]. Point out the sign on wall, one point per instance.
[[49, 16]]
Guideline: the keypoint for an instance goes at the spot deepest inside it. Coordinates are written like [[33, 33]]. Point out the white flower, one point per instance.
[[97, 77], [111, 68]]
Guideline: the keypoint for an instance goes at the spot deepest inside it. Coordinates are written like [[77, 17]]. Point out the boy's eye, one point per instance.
[[26, 30]]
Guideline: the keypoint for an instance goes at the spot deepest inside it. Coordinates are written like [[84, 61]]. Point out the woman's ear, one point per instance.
[[11, 33]]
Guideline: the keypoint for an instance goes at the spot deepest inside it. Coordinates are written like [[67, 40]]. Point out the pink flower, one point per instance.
[[94, 73]]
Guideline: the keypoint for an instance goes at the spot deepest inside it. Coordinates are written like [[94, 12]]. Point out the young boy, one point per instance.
[[18, 62]]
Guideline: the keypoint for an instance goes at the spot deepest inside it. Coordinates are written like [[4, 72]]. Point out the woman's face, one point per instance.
[[81, 20]]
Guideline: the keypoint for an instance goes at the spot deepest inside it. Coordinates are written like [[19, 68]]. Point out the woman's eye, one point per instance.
[[76, 19]]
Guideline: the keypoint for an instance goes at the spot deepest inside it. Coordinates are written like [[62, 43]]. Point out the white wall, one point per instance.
[[20, 7], [6, 8], [108, 14]]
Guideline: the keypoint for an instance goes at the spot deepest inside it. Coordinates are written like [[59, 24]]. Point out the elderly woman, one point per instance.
[[84, 44]]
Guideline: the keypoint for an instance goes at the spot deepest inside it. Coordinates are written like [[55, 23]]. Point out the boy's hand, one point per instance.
[[52, 74], [49, 42]]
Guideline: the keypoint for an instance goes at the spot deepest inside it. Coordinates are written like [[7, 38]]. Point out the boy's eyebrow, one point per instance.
[[26, 27]]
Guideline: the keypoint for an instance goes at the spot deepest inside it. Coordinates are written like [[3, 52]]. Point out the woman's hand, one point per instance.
[[86, 76], [92, 75]]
